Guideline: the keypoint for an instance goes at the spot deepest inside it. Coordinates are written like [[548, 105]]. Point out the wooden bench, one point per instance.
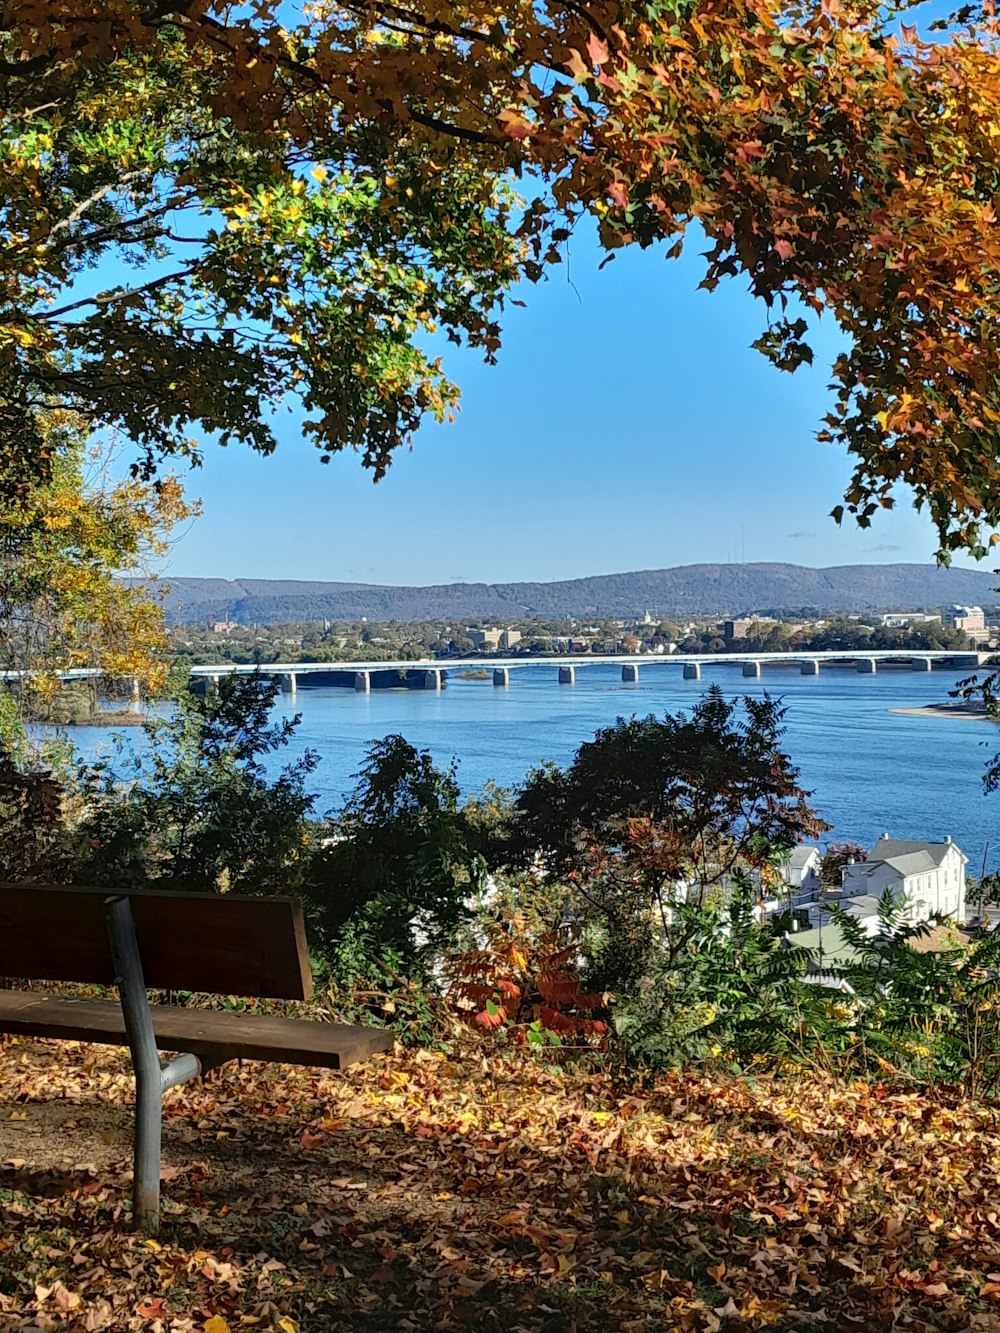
[[220, 944]]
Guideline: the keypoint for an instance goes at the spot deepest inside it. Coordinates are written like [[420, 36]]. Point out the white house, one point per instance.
[[929, 875], [800, 869]]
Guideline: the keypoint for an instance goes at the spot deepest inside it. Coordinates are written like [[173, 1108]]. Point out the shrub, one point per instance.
[[527, 987], [195, 808], [400, 862]]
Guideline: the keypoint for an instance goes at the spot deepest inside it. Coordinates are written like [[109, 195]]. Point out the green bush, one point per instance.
[[399, 863], [195, 809]]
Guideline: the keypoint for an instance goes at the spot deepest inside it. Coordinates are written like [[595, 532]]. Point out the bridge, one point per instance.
[[431, 673]]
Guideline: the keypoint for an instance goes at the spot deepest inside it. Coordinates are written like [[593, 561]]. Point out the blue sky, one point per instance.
[[629, 425]]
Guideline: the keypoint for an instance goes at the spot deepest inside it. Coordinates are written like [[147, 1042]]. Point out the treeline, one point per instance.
[[396, 641], [832, 635], [610, 908]]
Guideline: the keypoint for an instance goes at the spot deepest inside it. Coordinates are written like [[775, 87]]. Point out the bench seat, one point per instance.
[[220, 943], [212, 1035]]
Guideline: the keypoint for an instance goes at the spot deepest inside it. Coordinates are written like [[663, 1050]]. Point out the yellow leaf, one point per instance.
[[288, 1325], [318, 174], [217, 1325]]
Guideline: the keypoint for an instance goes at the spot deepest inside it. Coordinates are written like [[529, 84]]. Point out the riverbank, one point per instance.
[[970, 712], [110, 717]]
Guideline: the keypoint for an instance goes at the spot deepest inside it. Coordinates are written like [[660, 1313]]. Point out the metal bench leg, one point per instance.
[[145, 1061], [151, 1078]]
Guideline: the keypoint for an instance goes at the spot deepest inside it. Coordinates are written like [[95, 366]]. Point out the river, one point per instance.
[[871, 770]]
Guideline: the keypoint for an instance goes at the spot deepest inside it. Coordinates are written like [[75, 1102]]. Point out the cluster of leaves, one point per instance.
[[31, 817], [496, 1194], [933, 1014], [254, 246], [836, 856], [530, 989], [731, 988], [399, 864], [720, 985]]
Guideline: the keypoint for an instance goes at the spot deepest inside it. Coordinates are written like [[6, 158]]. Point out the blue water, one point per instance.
[[870, 770]]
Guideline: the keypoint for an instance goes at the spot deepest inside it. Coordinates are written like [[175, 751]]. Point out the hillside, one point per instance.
[[684, 590]]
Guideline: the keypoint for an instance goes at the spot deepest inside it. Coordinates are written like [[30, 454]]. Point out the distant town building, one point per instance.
[[489, 640], [900, 619], [965, 618], [224, 626], [486, 639], [737, 629]]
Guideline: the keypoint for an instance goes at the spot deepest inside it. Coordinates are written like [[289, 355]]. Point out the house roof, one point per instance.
[[888, 849], [911, 863], [825, 944], [799, 857], [864, 905]]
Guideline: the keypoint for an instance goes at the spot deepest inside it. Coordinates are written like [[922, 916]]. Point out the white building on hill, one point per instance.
[[929, 875], [800, 869]]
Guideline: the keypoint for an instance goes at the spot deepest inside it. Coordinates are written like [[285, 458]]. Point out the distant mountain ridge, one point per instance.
[[709, 590]]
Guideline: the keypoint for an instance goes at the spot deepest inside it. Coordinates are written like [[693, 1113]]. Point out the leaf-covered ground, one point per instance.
[[419, 1192]]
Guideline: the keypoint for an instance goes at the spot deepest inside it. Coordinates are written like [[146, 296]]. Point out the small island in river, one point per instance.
[[969, 710]]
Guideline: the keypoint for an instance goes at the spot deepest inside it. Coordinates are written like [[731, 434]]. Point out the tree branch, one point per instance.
[[111, 298]]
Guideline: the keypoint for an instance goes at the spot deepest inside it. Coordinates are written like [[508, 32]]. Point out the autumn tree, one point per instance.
[[836, 856], [300, 199], [65, 543], [655, 813], [189, 242]]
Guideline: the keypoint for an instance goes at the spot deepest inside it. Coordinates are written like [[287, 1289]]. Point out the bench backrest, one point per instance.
[[223, 944]]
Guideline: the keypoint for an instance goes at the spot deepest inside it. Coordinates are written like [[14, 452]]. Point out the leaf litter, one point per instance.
[[423, 1192]]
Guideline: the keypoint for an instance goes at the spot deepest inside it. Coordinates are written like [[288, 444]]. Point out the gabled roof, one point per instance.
[[887, 849], [911, 863], [799, 857]]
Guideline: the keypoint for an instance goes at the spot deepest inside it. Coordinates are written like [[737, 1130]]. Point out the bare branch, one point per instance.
[[105, 299]]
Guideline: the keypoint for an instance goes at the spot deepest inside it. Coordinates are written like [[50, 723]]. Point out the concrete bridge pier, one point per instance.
[[920, 664], [501, 677], [432, 679], [692, 671], [567, 675], [630, 673], [363, 682], [752, 669], [867, 666], [289, 683], [810, 667], [136, 692]]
